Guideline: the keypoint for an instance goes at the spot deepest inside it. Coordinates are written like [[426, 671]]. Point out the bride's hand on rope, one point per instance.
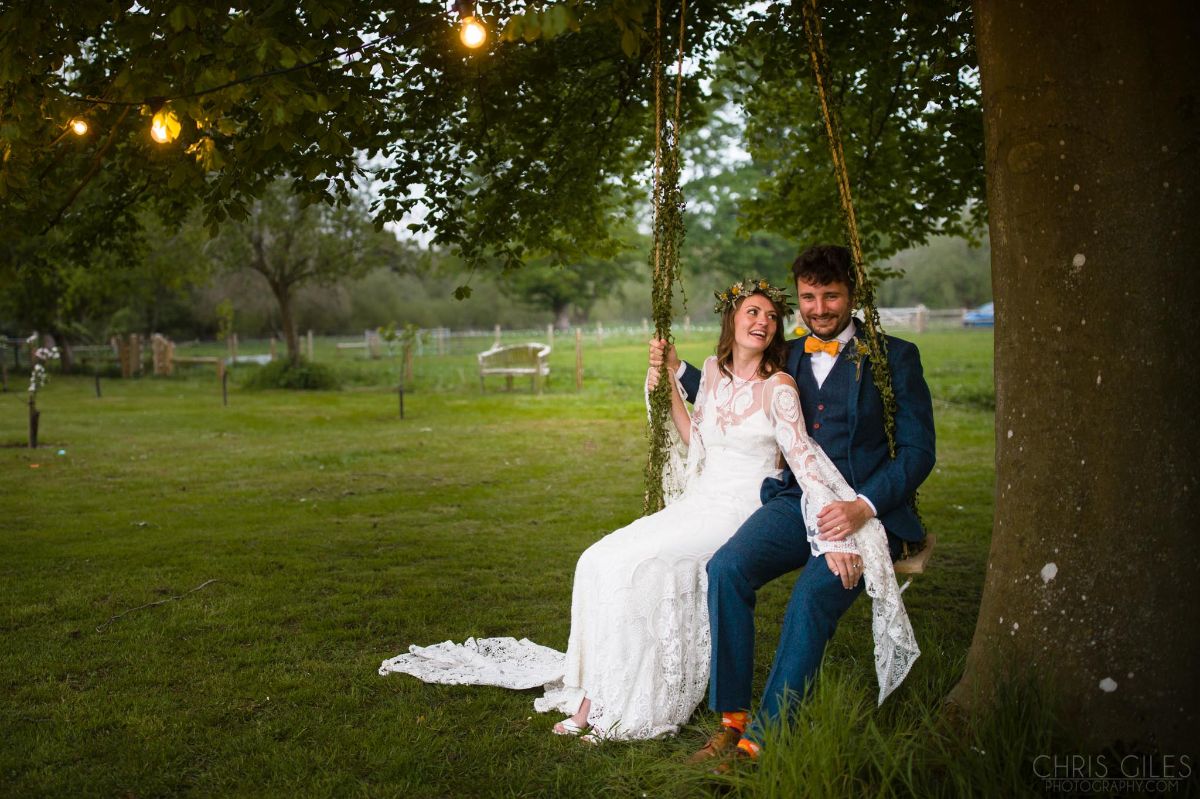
[[661, 350], [652, 378]]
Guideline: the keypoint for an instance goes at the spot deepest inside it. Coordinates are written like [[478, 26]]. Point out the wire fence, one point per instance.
[[134, 354]]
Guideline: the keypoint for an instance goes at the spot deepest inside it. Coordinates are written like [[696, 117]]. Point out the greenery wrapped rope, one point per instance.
[[668, 239], [876, 343]]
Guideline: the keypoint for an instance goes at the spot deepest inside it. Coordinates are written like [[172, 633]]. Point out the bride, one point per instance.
[[637, 661]]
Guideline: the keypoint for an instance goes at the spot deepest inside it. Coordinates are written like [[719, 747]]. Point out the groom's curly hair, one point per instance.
[[774, 357], [822, 264]]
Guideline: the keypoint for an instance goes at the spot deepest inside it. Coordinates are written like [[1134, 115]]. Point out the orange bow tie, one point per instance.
[[813, 344]]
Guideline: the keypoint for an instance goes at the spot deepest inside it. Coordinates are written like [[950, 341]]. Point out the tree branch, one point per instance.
[[91, 173], [204, 584]]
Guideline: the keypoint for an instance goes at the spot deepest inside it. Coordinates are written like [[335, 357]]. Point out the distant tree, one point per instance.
[[569, 290], [138, 285], [948, 272], [719, 242], [292, 244]]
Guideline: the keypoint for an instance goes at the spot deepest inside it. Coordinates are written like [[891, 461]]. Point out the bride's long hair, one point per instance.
[[774, 357]]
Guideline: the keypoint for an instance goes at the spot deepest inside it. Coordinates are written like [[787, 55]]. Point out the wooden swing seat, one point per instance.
[[915, 562]]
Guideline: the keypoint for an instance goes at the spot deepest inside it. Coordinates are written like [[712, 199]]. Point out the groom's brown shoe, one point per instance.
[[720, 745]]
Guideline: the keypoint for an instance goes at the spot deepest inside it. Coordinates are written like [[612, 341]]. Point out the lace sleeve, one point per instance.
[[683, 461], [695, 455], [819, 479], [895, 645]]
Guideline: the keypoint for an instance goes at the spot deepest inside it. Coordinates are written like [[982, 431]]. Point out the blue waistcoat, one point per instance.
[[826, 410]]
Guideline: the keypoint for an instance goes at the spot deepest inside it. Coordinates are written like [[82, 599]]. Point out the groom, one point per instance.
[[843, 411]]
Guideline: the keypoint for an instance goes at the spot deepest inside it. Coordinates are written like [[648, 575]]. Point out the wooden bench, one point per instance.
[[531, 359]]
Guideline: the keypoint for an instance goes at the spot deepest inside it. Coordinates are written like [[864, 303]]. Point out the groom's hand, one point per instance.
[[837, 520], [661, 351]]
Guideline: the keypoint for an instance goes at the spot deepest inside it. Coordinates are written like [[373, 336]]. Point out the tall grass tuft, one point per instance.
[[840, 745], [304, 375]]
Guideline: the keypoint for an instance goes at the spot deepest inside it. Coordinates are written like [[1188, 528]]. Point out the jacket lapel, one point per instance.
[[796, 357], [860, 378]]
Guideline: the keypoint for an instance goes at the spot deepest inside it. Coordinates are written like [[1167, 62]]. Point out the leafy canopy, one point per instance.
[[537, 145]]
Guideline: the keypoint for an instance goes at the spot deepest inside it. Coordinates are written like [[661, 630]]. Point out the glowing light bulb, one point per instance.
[[164, 127], [473, 34], [79, 126]]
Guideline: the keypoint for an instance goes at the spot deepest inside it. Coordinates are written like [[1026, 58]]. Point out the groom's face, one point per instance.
[[824, 309]]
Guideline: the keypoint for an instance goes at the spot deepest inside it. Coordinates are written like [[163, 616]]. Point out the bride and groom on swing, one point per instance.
[[663, 608]]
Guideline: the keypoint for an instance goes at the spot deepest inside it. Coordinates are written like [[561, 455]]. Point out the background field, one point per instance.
[[337, 534]]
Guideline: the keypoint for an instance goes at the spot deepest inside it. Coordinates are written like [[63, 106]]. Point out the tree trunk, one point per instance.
[[1091, 122], [283, 295], [562, 316]]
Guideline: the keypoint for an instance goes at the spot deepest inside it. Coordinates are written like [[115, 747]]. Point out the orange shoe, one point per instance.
[[720, 745]]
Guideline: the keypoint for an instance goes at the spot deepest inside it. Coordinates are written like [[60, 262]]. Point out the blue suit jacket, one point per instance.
[[889, 483]]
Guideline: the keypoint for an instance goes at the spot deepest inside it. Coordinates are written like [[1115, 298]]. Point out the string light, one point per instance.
[[164, 126], [79, 126], [473, 34]]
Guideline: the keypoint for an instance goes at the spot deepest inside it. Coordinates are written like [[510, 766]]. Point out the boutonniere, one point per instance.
[[857, 352]]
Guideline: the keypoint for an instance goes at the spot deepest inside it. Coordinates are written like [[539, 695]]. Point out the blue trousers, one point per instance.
[[771, 543]]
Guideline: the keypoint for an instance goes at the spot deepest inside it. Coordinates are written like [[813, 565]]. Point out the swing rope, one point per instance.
[[668, 239], [876, 344]]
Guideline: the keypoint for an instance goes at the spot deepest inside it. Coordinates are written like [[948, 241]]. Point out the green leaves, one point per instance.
[[181, 18], [904, 85], [536, 148], [535, 24]]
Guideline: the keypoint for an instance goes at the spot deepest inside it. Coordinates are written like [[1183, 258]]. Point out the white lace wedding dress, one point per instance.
[[639, 643]]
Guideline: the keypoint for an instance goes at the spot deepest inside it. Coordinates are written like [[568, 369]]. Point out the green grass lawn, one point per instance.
[[336, 534]]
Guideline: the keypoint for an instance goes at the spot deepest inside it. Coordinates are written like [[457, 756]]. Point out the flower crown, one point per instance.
[[744, 288]]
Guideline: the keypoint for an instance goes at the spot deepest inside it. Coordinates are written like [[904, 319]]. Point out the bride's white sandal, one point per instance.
[[568, 727]]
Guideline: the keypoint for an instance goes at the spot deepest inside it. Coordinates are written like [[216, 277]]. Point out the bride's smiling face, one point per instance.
[[755, 323]]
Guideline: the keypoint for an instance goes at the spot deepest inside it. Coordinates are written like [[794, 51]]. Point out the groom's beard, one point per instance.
[[813, 321]]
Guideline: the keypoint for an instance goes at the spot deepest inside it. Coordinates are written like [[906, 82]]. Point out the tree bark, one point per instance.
[[1092, 131], [562, 316], [283, 295]]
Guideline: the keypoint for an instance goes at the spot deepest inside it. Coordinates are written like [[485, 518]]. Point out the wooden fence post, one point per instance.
[[578, 359], [122, 343], [550, 336], [496, 341], [310, 345], [922, 318], [4, 367], [135, 354], [34, 415], [273, 348], [158, 354]]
